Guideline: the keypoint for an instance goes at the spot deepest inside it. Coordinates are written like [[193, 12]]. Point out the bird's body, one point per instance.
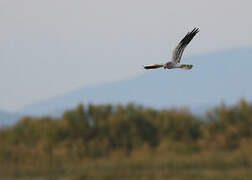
[[177, 54]]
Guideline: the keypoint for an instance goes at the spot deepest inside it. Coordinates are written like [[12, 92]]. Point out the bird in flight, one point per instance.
[[177, 54]]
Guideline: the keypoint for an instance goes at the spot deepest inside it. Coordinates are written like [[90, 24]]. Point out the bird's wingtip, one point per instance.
[[196, 29]]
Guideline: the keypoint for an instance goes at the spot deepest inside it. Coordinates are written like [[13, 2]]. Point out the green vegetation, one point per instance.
[[130, 142]]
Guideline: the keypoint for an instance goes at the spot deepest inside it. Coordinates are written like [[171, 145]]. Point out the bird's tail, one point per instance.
[[153, 66], [186, 66]]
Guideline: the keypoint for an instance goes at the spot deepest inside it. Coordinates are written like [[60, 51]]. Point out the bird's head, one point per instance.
[[168, 65]]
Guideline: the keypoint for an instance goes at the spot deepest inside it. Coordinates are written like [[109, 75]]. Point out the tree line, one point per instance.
[[96, 131]]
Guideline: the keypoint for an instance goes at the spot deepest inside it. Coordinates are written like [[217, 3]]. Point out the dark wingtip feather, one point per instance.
[[153, 66], [189, 36], [195, 30]]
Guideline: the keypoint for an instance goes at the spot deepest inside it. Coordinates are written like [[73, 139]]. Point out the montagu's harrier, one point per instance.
[[177, 54]]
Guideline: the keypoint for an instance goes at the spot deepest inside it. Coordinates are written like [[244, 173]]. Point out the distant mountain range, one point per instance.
[[216, 77]]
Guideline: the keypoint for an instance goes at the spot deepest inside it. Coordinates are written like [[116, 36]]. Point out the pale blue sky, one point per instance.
[[50, 47]]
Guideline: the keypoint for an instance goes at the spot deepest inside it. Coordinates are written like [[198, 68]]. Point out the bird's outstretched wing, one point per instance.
[[178, 51], [153, 66]]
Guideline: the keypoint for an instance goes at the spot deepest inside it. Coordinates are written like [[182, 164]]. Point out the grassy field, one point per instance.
[[190, 166]]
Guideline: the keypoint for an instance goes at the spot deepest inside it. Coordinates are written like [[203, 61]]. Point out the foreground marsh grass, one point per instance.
[[187, 166]]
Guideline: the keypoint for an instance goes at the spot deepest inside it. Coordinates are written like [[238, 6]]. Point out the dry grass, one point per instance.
[[187, 166]]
